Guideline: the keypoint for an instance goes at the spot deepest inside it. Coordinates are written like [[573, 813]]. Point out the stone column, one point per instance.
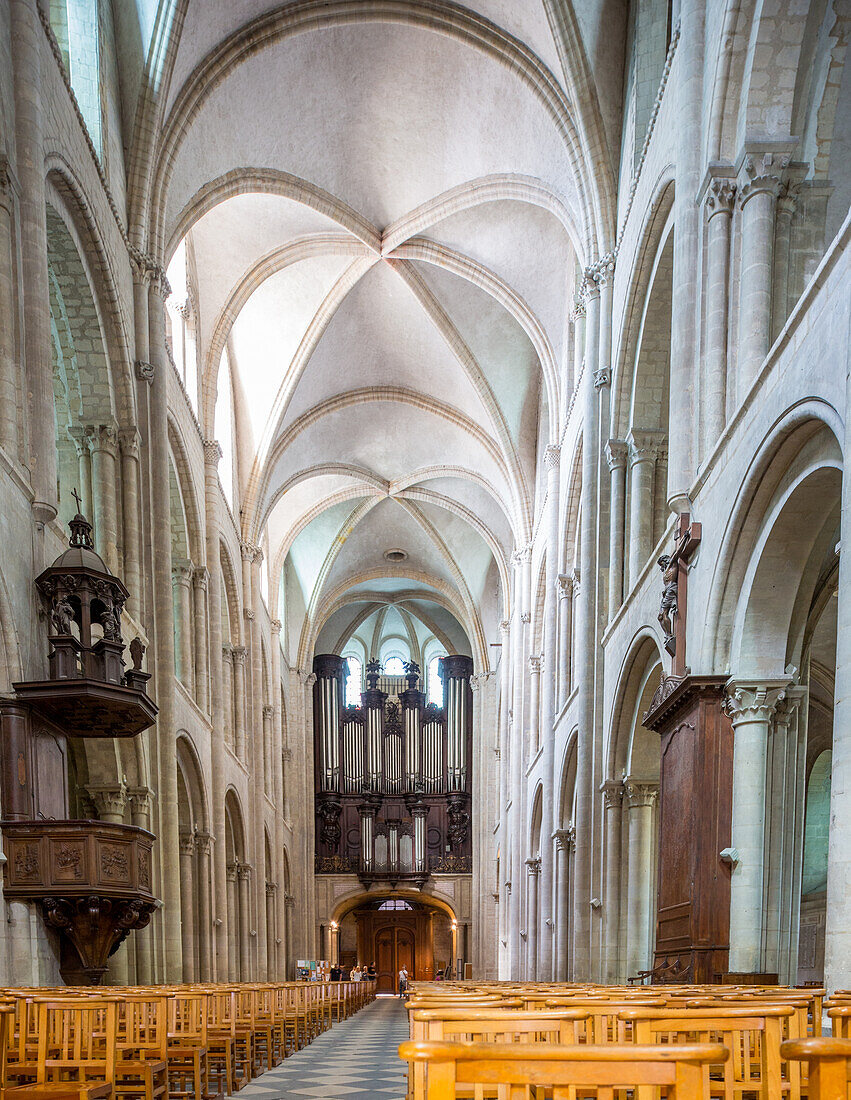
[[10, 384], [562, 838], [233, 929], [641, 798], [83, 445], [181, 580], [104, 444], [280, 801], [750, 705], [204, 868], [252, 557], [128, 439], [837, 940], [616, 456], [504, 728], [268, 772], [720, 196], [165, 734], [586, 645], [533, 870], [642, 470], [238, 654], [613, 798], [535, 663], [520, 621], [221, 702], [687, 158], [548, 709], [578, 338], [27, 50], [187, 899], [140, 815], [759, 186], [200, 580], [786, 202], [228, 708], [271, 936], [246, 932]]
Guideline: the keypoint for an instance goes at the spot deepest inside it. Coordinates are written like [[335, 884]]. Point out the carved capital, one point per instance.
[[141, 800], [526, 617], [617, 452], [103, 437], [533, 866], [268, 711], [248, 613], [144, 371], [181, 573], [720, 196], [129, 440], [761, 172], [552, 456], [640, 794], [238, 653], [602, 377], [505, 627], [227, 653], [644, 446], [5, 184], [521, 556], [231, 870], [535, 664], [276, 626], [244, 871], [200, 578], [212, 452], [250, 552], [187, 844], [204, 843], [612, 793], [600, 274], [753, 701], [565, 839], [110, 798]]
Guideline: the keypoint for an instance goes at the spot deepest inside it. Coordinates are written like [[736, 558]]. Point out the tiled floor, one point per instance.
[[356, 1059]]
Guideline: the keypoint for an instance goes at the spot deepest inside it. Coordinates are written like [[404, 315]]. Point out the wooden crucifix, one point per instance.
[[673, 608]]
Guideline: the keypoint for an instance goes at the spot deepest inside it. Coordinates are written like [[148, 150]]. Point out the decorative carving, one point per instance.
[[68, 858], [329, 808], [721, 196], [137, 652], [144, 371], [144, 869], [27, 862], [668, 605], [762, 173], [617, 452], [612, 793], [451, 865], [459, 819], [602, 377], [552, 456], [113, 862], [62, 614], [94, 927], [334, 865]]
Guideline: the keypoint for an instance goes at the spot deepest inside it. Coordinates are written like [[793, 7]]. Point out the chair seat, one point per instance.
[[62, 1090]]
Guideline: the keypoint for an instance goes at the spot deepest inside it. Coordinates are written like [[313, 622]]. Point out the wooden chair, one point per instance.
[[579, 1071], [188, 1071], [752, 1033], [141, 1045], [829, 1062], [76, 1051], [840, 1019]]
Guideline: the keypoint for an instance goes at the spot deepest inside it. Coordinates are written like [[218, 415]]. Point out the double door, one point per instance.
[[394, 948]]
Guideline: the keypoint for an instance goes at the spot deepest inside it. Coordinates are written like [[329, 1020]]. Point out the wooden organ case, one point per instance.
[[392, 775]]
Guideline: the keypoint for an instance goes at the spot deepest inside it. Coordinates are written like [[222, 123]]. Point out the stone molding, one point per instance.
[[720, 196], [536, 662], [144, 371], [108, 798], [276, 626], [552, 456], [602, 377], [613, 792], [200, 577], [238, 653], [213, 452], [534, 865]]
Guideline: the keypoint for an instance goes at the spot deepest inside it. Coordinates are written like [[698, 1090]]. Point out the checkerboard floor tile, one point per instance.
[[357, 1060]]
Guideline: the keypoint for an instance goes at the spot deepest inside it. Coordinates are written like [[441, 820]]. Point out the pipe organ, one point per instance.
[[392, 775]]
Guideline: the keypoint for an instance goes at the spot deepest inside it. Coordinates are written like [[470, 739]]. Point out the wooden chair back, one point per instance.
[[829, 1062], [520, 1070]]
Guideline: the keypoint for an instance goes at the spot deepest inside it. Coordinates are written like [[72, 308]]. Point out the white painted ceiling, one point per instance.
[[382, 220]]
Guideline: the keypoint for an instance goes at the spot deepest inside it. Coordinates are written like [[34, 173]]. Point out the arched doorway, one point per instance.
[[392, 932]]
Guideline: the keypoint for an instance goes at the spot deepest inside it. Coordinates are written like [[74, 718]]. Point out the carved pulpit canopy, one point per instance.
[[88, 693]]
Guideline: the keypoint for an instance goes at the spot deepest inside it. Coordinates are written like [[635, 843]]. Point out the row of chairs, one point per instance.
[[160, 1042], [564, 1042]]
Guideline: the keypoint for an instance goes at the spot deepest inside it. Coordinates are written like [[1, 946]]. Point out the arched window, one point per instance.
[[395, 903], [354, 683], [393, 666], [76, 26], [435, 682]]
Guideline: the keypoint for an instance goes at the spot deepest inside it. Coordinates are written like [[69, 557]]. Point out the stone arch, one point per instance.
[[793, 474], [192, 772], [627, 747]]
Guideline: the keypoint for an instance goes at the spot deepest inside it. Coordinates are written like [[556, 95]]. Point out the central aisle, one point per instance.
[[357, 1058]]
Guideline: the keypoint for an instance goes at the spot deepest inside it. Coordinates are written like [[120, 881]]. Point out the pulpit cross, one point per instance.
[[76, 497], [672, 611]]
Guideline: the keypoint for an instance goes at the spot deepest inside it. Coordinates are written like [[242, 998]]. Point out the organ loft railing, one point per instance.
[[392, 775]]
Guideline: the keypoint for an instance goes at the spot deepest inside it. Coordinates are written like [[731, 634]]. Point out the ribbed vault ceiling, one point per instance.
[[382, 218]]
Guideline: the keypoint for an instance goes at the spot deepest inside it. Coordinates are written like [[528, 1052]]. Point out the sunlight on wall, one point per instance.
[[817, 824]]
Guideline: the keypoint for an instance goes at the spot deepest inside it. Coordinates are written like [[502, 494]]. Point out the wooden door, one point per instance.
[[394, 948]]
